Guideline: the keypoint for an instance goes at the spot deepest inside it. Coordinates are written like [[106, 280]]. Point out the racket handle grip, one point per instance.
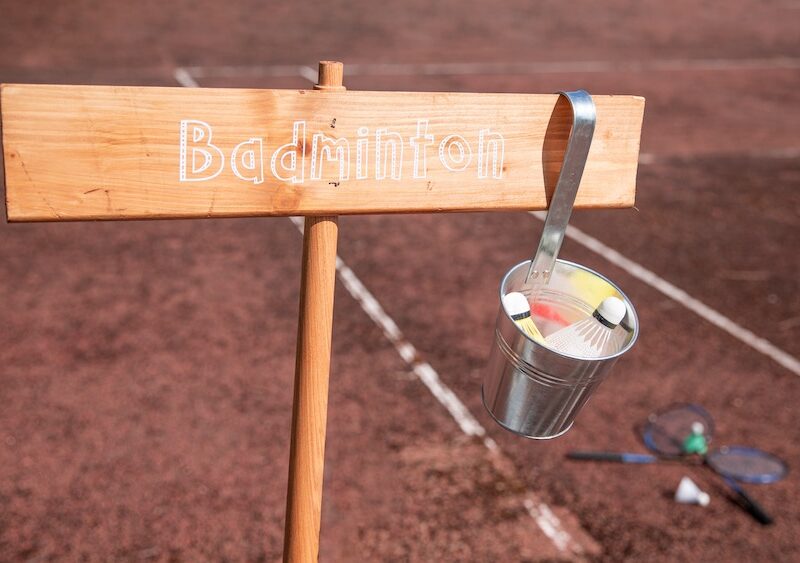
[[618, 457], [749, 504]]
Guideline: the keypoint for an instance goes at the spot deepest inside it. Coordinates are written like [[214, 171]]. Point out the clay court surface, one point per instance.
[[146, 367]]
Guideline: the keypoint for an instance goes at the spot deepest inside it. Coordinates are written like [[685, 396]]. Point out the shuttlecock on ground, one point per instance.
[[518, 308], [689, 493], [592, 337], [696, 443]]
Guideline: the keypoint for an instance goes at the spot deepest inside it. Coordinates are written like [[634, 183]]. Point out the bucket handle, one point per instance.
[[584, 117]]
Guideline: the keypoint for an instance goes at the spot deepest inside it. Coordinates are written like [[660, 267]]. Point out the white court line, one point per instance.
[[185, 78], [557, 67], [549, 523], [541, 67], [309, 74], [458, 410], [785, 153], [279, 71], [677, 294], [541, 513]]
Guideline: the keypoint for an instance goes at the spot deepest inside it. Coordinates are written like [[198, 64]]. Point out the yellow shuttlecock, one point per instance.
[[589, 288], [518, 308]]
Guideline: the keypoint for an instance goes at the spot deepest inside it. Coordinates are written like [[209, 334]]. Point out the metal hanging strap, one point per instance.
[[584, 117]]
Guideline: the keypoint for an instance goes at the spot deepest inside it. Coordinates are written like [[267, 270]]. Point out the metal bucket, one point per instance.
[[532, 390]]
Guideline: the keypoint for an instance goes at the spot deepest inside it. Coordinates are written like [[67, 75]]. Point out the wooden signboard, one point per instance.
[[111, 152]]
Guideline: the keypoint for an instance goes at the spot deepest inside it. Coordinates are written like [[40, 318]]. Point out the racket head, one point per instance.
[[747, 465], [666, 430]]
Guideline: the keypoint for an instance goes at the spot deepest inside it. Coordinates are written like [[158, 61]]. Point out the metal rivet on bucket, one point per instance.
[[530, 389]]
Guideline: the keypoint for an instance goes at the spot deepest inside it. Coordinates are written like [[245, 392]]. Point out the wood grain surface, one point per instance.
[[112, 152]]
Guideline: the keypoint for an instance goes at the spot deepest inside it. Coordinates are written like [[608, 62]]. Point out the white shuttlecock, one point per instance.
[[518, 308], [689, 493], [592, 337]]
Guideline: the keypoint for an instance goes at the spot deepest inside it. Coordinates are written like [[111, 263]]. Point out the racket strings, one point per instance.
[[667, 431]]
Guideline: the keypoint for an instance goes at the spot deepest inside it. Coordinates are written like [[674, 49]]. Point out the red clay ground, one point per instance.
[[146, 379], [147, 398]]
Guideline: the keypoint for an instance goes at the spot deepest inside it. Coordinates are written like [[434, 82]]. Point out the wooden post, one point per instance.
[[310, 408]]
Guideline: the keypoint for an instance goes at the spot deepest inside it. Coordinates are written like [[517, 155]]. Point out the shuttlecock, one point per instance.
[[592, 337], [518, 308], [689, 493], [590, 288], [622, 333], [696, 442]]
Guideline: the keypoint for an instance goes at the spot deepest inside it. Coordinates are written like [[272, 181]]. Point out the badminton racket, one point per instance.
[[665, 433]]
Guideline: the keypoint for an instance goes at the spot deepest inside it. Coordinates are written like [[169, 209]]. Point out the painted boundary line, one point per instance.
[[548, 522], [543, 67], [675, 293], [468, 424], [541, 513], [185, 78]]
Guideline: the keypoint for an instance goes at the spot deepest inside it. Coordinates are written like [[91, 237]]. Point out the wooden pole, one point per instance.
[[312, 367]]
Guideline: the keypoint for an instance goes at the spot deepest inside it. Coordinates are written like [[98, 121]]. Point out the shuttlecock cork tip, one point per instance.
[[516, 304], [612, 309], [698, 428]]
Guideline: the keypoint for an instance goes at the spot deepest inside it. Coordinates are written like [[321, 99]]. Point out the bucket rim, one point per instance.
[[587, 269]]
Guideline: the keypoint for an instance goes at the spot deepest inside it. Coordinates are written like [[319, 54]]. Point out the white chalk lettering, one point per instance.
[[362, 153], [341, 149], [290, 150], [386, 140], [249, 156], [201, 160], [419, 142], [495, 145], [448, 156], [200, 164]]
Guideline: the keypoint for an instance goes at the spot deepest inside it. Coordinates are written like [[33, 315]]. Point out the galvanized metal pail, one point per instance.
[[530, 389]]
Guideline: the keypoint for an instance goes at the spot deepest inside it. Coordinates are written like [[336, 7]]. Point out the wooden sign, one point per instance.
[[108, 152]]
